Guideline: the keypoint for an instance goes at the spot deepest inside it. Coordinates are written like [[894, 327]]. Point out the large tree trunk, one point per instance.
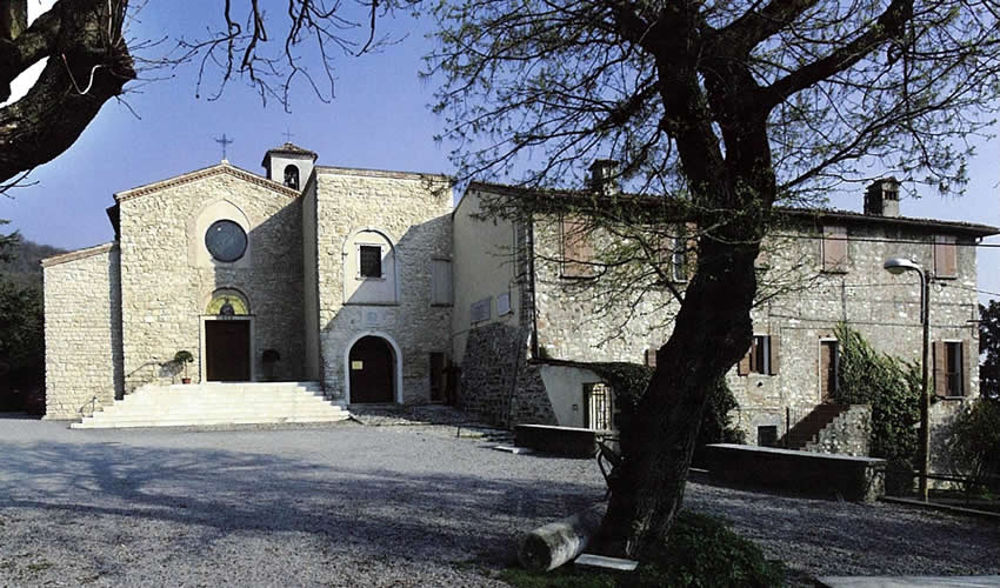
[[89, 63], [712, 331]]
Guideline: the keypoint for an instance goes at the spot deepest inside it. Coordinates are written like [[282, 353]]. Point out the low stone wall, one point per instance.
[[848, 434], [860, 479], [565, 441]]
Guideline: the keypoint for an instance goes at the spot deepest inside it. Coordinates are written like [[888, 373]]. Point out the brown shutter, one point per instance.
[[940, 363], [578, 249], [651, 357], [775, 354], [835, 249], [967, 366], [743, 367], [945, 257]]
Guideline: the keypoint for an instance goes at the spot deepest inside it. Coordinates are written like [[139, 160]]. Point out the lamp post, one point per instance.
[[896, 266]]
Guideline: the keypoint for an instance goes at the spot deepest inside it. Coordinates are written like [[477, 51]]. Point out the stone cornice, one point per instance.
[[78, 254], [223, 168]]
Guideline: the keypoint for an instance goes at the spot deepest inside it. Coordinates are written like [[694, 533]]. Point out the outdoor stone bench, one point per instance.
[[565, 441], [859, 479]]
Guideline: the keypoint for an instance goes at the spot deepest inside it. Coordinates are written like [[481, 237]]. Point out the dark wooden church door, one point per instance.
[[371, 366], [227, 351]]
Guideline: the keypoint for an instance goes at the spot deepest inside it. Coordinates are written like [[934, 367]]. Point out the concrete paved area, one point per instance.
[[351, 505], [911, 582]]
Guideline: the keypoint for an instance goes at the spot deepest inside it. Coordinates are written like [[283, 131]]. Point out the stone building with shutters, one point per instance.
[[524, 335], [372, 283]]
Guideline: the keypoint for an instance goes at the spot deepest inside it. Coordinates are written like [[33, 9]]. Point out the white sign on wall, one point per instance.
[[480, 310]]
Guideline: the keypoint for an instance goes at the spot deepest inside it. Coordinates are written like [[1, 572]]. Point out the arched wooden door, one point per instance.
[[372, 366]]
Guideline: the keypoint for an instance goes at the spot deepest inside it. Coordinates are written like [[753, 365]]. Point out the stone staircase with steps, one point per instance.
[[807, 430], [218, 404]]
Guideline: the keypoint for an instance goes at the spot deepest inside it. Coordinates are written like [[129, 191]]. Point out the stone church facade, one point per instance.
[[260, 279], [373, 284]]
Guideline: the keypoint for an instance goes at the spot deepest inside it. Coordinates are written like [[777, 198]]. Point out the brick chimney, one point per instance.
[[882, 197], [605, 178]]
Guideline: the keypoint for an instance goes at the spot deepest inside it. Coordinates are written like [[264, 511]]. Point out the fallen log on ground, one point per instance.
[[552, 545]]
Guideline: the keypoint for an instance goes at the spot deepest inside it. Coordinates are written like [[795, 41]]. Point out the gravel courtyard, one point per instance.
[[352, 505]]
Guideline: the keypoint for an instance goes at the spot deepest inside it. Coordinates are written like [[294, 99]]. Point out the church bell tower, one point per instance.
[[289, 165]]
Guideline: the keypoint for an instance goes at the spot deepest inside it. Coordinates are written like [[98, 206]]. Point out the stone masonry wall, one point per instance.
[[848, 434], [168, 277], [803, 304], [82, 350], [498, 383], [413, 211]]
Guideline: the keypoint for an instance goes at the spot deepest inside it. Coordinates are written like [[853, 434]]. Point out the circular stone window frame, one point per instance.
[[225, 256]]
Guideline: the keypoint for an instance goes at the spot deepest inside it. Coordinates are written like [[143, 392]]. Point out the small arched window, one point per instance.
[[292, 176]]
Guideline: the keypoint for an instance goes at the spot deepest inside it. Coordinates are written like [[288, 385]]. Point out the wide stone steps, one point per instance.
[[218, 404]]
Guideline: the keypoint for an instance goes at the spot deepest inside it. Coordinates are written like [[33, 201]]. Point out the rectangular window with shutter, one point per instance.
[[828, 365], [949, 368], [762, 358], [945, 257], [577, 249], [441, 289], [835, 253]]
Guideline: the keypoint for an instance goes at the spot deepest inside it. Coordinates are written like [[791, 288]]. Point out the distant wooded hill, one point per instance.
[[24, 268]]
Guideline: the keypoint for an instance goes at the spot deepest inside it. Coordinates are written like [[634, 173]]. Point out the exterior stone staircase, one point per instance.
[[808, 429], [218, 404]]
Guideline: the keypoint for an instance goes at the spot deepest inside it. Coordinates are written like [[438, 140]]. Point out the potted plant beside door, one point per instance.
[[182, 358]]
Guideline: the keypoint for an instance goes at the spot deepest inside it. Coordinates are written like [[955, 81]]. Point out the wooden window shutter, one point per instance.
[[743, 367], [651, 357], [835, 249], [945, 256], [968, 364], [578, 250], [939, 362], [775, 354]]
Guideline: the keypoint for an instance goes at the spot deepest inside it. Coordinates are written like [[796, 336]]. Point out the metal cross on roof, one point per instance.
[[288, 135], [224, 141]]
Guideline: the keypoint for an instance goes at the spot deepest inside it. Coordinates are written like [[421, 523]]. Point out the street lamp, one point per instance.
[[896, 266]]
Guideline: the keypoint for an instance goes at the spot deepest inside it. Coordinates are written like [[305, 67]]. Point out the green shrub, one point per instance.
[[974, 445], [893, 389], [703, 552]]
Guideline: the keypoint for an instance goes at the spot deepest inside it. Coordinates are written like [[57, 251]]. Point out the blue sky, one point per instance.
[[379, 119]]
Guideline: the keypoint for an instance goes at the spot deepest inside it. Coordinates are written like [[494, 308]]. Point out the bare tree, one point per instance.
[[724, 109], [88, 64], [91, 59]]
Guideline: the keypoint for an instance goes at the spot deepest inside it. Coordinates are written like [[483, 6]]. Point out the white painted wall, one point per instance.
[[483, 267], [564, 385]]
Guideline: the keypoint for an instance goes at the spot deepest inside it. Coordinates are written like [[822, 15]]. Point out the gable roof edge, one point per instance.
[[207, 172]]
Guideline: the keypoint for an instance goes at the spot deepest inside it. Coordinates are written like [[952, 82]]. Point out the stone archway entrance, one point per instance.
[[372, 367], [227, 350]]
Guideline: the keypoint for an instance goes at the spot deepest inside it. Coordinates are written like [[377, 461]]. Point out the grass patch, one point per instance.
[[702, 552]]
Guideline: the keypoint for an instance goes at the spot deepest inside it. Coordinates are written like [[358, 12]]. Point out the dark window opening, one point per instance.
[[954, 376], [767, 436], [439, 365], [827, 370], [371, 261], [292, 177]]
